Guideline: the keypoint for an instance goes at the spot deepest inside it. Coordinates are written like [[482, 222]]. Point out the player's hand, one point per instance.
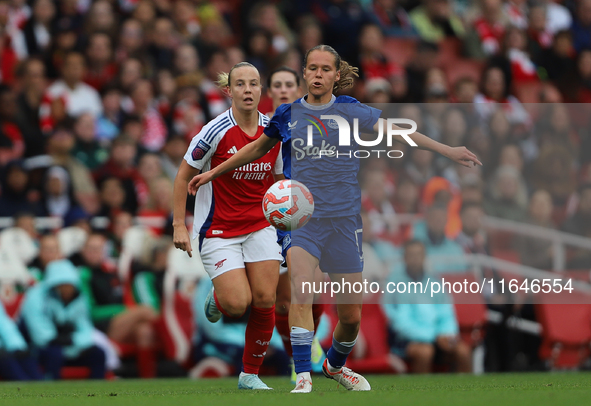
[[463, 156], [198, 181], [181, 239]]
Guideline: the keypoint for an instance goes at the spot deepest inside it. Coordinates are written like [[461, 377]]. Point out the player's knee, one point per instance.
[[235, 306], [350, 319], [263, 299]]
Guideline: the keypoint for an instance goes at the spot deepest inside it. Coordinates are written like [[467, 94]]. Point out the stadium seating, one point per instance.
[[566, 329], [470, 311]]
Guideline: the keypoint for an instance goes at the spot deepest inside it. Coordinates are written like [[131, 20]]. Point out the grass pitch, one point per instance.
[[540, 389]]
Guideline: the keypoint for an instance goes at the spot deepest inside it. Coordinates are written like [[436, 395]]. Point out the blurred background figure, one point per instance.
[[425, 328], [57, 321]]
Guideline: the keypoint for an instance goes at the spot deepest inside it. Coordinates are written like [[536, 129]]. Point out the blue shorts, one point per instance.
[[284, 241], [335, 241]]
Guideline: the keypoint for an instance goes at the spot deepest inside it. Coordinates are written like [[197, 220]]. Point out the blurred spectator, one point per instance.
[[495, 95], [113, 197], [35, 37], [186, 60], [172, 155], [538, 252], [508, 196], [154, 130], [159, 204], [59, 148], [406, 197], [216, 100], [424, 59], [558, 17], [131, 40], [121, 221], [581, 26], [105, 292], [465, 90], [49, 250], [101, 18], [148, 282], [108, 124], [435, 21], [517, 12], [15, 192], [26, 221], [376, 204], [341, 21], [258, 49], [490, 27], [557, 61], [266, 16], [69, 95], [33, 81], [58, 199], [16, 363], [188, 116], [101, 68], [87, 148], [309, 34], [472, 237], [425, 327], [130, 72], [150, 167], [163, 42], [12, 145], [540, 37], [373, 62], [515, 47], [378, 90], [121, 164], [420, 168], [392, 18], [553, 171], [444, 254], [186, 19], [576, 86], [57, 320]]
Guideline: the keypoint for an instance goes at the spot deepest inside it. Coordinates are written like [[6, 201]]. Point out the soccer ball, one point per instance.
[[288, 205]]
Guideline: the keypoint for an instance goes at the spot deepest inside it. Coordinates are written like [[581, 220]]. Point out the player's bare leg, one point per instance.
[[302, 266], [345, 336]]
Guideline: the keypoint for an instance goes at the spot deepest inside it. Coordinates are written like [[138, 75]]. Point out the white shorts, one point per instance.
[[220, 255]]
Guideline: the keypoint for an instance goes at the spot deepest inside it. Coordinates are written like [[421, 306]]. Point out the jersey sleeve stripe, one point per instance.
[[216, 129]]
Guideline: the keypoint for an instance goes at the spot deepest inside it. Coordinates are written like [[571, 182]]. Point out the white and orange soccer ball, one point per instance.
[[288, 205]]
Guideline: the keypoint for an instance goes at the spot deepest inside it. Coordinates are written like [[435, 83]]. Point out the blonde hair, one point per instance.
[[348, 72], [224, 79]]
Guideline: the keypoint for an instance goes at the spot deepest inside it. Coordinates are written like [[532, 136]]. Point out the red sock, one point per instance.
[[317, 311], [282, 324], [146, 362], [219, 306], [258, 334]]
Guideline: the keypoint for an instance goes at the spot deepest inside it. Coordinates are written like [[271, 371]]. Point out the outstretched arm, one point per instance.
[[459, 155], [181, 235], [249, 153]]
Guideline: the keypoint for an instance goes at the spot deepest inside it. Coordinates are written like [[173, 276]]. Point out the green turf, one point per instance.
[[557, 389]]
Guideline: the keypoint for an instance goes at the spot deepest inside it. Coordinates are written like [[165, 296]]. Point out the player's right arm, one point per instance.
[[274, 133], [181, 237]]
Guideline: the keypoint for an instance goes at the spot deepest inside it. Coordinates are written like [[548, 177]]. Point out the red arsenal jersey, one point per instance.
[[231, 205]]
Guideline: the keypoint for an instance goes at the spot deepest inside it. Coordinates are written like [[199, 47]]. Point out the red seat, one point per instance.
[[450, 50], [376, 356], [464, 68], [470, 310], [400, 50], [566, 329]]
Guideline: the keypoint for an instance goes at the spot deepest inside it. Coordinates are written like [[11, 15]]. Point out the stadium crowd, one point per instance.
[[100, 99]]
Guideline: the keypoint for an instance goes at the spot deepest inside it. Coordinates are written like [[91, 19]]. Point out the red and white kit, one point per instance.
[[229, 219]]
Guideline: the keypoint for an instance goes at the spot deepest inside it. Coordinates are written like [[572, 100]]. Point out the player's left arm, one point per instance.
[[461, 155]]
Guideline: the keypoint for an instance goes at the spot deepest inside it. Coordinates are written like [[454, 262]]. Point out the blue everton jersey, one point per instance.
[[315, 156]]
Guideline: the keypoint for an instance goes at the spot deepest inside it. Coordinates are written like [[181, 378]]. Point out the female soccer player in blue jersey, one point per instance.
[[332, 238]]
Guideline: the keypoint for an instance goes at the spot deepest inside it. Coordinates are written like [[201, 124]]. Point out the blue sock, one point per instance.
[[338, 352], [301, 345]]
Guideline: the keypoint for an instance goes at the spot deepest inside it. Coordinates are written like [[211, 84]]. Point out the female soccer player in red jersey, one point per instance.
[[238, 247], [331, 238]]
